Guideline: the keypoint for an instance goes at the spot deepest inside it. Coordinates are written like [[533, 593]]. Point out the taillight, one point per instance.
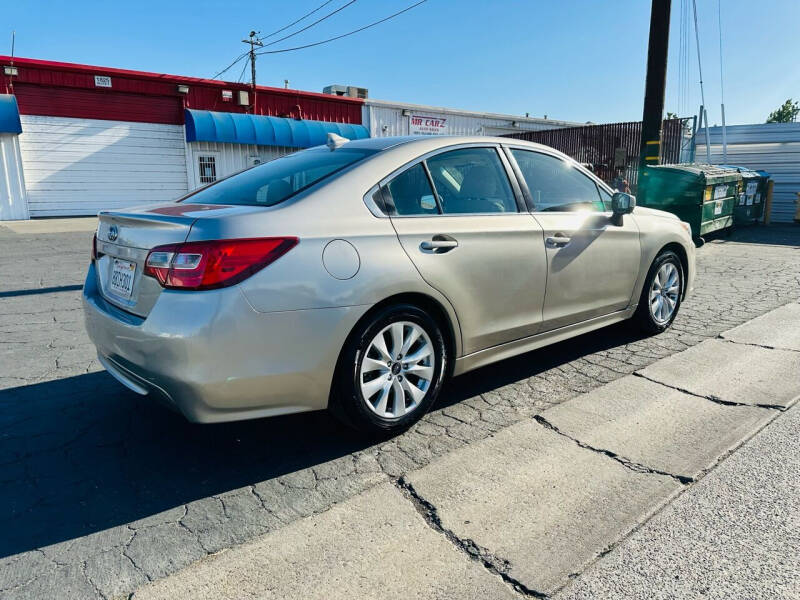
[[94, 247], [215, 263]]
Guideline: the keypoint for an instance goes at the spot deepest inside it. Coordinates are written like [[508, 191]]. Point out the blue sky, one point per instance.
[[579, 60]]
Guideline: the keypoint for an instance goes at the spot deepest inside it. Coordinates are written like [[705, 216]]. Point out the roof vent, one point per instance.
[[349, 91]]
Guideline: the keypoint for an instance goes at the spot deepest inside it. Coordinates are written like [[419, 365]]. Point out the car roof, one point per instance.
[[433, 141]]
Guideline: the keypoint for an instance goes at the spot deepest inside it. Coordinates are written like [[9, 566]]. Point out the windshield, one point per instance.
[[277, 180]]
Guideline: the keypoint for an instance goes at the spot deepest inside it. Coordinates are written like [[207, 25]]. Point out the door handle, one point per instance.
[[438, 246], [558, 240]]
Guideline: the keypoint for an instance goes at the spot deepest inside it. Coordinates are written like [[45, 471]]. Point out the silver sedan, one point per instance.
[[357, 276]]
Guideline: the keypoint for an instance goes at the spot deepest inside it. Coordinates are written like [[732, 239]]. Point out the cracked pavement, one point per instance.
[[102, 491]]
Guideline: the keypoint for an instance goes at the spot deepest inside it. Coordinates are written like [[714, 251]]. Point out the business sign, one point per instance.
[[102, 81], [424, 125]]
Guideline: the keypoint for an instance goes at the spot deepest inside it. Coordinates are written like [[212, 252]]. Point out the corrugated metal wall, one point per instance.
[[69, 90], [230, 158], [772, 147], [80, 166], [384, 121], [97, 104]]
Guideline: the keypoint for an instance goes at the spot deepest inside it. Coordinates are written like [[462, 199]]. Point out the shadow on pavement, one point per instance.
[[781, 234], [82, 454], [34, 291]]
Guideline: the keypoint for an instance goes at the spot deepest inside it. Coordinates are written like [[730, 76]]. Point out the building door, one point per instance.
[[79, 166]]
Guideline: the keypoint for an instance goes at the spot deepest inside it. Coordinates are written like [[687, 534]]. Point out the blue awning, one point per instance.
[[238, 128], [9, 114]]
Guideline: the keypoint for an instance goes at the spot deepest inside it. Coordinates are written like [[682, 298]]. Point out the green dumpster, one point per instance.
[[750, 204], [702, 195], [761, 194]]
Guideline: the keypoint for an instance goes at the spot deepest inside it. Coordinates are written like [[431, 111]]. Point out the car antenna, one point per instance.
[[334, 141]]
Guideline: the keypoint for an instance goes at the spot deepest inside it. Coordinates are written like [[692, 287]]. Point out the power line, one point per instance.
[[320, 20], [241, 75], [332, 39], [249, 52], [338, 37], [679, 96], [719, 22], [704, 113], [721, 88], [230, 66], [308, 14], [687, 60], [257, 42]]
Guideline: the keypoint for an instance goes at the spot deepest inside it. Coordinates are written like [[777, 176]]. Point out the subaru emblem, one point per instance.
[[113, 232]]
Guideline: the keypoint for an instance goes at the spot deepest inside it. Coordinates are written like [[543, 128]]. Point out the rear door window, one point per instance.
[[411, 193], [471, 180]]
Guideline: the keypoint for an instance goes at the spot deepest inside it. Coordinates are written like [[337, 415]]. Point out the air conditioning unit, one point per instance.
[[243, 98], [357, 92], [349, 91], [335, 90]]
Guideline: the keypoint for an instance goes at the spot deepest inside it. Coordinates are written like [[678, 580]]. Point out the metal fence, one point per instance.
[[613, 148]]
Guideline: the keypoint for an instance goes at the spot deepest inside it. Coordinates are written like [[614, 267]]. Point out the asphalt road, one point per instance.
[[101, 491]]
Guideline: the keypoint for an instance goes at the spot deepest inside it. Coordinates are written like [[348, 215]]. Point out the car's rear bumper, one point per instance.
[[212, 357]]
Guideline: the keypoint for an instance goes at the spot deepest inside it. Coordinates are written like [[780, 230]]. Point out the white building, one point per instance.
[[384, 118]]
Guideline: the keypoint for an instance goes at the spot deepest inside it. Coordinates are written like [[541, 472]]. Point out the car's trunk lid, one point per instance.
[[124, 239]]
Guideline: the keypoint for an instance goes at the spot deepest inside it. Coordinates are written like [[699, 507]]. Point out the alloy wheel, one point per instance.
[[397, 369], [664, 293]]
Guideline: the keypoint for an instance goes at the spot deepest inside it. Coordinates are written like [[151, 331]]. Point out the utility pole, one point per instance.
[[253, 41], [655, 84]]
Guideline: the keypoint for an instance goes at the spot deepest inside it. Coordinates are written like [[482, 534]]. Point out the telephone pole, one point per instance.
[[253, 41], [655, 84]]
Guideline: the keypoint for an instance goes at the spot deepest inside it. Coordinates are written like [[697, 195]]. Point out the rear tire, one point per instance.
[[390, 371], [661, 294]]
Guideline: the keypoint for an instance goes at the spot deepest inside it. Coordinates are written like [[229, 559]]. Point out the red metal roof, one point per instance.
[[69, 90]]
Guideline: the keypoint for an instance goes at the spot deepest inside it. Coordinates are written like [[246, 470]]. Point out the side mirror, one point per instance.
[[622, 203]]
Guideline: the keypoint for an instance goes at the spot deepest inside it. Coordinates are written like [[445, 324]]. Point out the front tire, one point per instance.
[[390, 371], [661, 295]]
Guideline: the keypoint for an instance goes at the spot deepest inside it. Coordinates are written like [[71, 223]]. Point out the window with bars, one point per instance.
[[207, 167]]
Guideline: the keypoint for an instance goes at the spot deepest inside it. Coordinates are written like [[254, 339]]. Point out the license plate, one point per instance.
[[121, 281]]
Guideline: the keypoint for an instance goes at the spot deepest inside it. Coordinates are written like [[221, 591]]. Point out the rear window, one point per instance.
[[277, 180]]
